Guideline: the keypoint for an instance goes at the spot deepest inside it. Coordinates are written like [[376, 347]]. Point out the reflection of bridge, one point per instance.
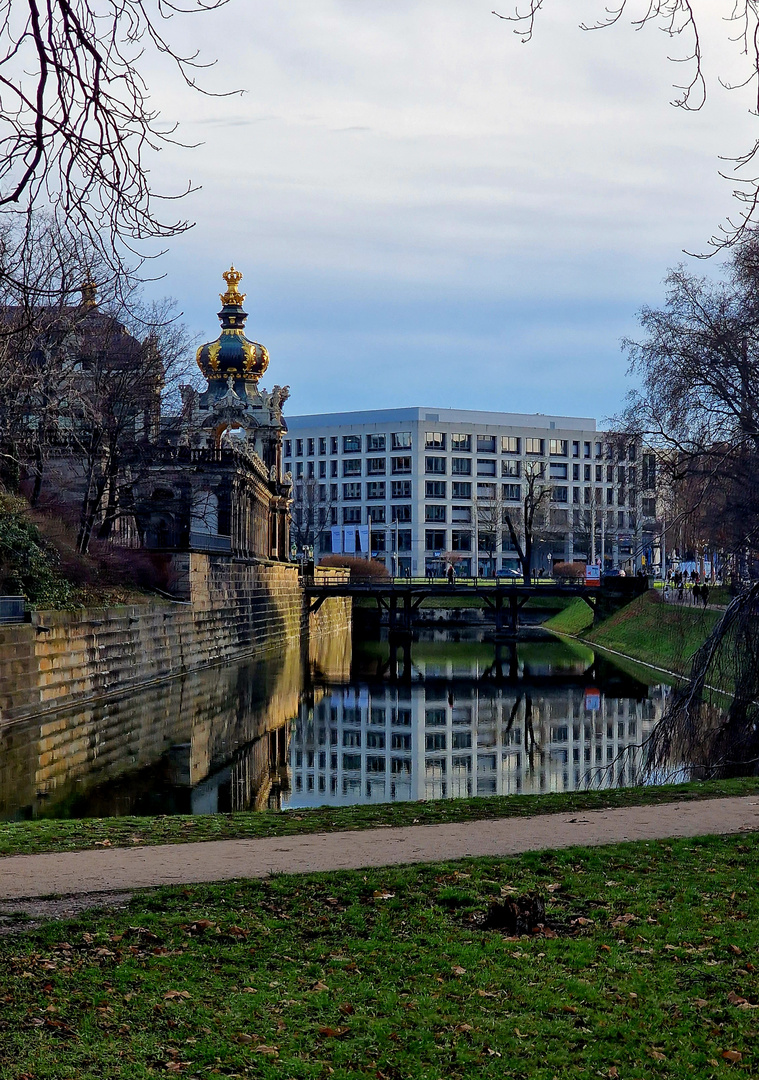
[[401, 600]]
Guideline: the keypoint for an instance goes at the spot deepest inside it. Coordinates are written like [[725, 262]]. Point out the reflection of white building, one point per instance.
[[446, 740]]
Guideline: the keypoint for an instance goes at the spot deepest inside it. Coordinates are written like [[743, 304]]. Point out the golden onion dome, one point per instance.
[[232, 353]]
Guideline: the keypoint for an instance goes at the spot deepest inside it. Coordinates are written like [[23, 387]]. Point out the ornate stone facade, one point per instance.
[[217, 482]]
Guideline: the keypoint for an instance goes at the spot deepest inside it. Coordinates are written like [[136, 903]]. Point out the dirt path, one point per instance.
[[114, 869]]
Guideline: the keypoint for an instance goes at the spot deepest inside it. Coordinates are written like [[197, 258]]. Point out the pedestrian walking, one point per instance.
[[705, 595], [696, 594], [680, 591], [450, 574], [666, 593]]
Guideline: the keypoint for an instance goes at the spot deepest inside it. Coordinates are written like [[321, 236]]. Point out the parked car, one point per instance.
[[614, 572], [508, 573]]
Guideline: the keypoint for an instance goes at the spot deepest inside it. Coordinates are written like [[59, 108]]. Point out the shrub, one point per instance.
[[361, 569], [569, 571]]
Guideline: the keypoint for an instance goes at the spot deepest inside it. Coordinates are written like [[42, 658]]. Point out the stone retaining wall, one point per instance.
[[236, 608]]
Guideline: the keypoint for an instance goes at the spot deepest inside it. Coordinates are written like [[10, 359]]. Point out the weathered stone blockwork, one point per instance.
[[234, 608]]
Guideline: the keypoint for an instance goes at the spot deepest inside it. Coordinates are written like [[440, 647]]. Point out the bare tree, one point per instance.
[[78, 127], [680, 21], [310, 510], [698, 398], [525, 522]]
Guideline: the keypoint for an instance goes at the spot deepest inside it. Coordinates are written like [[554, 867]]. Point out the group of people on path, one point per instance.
[[680, 581]]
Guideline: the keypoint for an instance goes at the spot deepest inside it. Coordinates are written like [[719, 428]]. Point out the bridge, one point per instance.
[[401, 598]]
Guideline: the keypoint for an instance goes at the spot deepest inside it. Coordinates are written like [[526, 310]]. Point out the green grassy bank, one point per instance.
[[36, 837], [647, 967], [649, 630]]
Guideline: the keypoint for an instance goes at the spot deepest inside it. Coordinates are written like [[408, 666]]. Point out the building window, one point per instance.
[[434, 539], [333, 491], [649, 508], [333, 444], [351, 444], [375, 489], [558, 447], [434, 440], [510, 444], [404, 540], [299, 447], [620, 498], [401, 440], [575, 472], [333, 515], [461, 541], [586, 496], [512, 492], [401, 513], [648, 478], [351, 491], [575, 449], [586, 449], [322, 493], [378, 539], [434, 513], [351, 515], [586, 473], [322, 445], [298, 470], [486, 444], [400, 464], [510, 468], [461, 444], [461, 489], [400, 489], [461, 466], [310, 447], [322, 470], [288, 467], [375, 442], [461, 514], [486, 491], [376, 514], [434, 464], [599, 474], [333, 467], [352, 467], [375, 466], [310, 470], [620, 519], [560, 494], [434, 489], [598, 449], [575, 495], [534, 446], [485, 467], [288, 448], [557, 470]]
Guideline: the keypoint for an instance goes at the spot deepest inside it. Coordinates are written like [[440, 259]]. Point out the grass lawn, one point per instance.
[[647, 629], [650, 969], [656, 633], [47, 834]]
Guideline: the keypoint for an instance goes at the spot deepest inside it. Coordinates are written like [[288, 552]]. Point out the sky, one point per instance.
[[427, 211]]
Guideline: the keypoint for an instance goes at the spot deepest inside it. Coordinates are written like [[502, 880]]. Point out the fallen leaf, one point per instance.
[[657, 1055], [463, 1027], [318, 987], [735, 950], [249, 990], [700, 1003], [492, 1052], [346, 1009], [103, 843], [735, 999], [554, 887], [486, 993], [624, 920], [732, 1055], [457, 970], [605, 948], [333, 1033], [581, 921], [273, 1051], [170, 995], [614, 1072]]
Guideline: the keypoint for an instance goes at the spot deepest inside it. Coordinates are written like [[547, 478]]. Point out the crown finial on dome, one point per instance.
[[232, 297]]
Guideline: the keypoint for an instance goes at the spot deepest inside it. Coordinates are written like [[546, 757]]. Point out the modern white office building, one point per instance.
[[434, 482]]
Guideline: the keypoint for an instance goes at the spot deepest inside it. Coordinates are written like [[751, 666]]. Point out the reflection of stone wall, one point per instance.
[[180, 730], [236, 608]]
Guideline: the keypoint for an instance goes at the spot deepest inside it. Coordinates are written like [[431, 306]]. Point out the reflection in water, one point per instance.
[[252, 735], [560, 720]]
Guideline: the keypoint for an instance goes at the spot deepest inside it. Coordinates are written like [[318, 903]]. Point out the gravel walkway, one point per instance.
[[114, 869]]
